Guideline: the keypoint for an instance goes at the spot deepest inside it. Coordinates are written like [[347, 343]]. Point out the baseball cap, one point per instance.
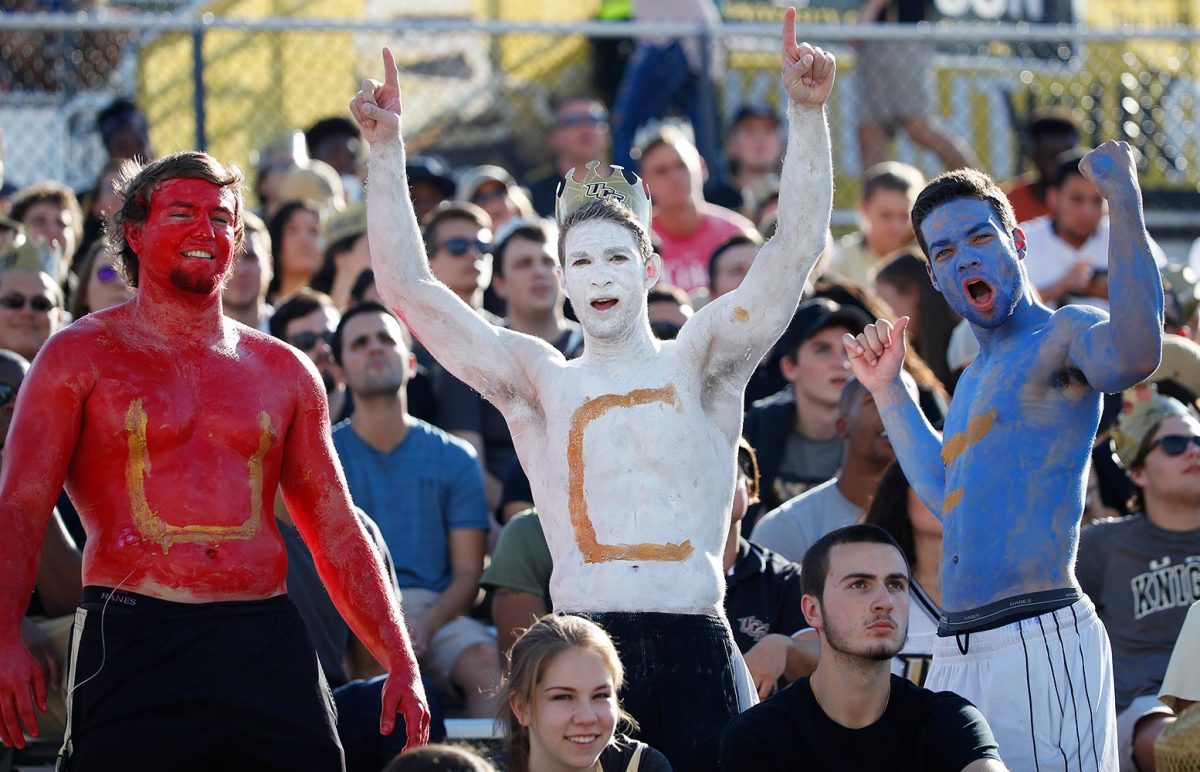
[[1142, 410], [316, 182], [1179, 368], [748, 111], [475, 177], [428, 169], [347, 224], [819, 314]]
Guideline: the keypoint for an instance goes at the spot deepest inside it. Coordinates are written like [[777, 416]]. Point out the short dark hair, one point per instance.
[[136, 184], [364, 280], [667, 293], [605, 209], [891, 175], [1068, 166], [531, 230], [442, 758], [1053, 121], [747, 461], [51, 192], [358, 309], [451, 210], [302, 303], [119, 112], [816, 560], [734, 240], [327, 128], [956, 184]]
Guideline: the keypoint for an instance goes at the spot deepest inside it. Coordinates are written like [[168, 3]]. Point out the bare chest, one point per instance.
[[165, 405]]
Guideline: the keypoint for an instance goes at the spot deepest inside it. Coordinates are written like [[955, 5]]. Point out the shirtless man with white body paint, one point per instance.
[[630, 448]]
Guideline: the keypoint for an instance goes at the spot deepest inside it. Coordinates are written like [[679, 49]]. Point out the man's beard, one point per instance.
[[878, 652], [197, 285]]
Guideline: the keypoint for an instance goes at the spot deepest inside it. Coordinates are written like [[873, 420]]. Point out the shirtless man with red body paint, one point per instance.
[[172, 427]]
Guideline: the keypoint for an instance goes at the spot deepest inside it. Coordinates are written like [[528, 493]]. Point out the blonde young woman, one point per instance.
[[560, 706]]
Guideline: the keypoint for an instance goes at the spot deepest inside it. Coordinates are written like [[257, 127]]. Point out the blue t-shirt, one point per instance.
[[417, 493]]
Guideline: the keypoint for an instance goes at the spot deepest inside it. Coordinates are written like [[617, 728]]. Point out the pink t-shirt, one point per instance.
[[685, 258]]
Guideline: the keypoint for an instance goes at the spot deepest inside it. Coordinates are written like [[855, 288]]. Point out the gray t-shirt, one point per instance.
[[1142, 579], [792, 528], [806, 463]]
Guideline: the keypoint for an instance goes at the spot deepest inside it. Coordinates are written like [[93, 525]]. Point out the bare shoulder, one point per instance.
[[282, 362], [1073, 319], [541, 366], [78, 350]]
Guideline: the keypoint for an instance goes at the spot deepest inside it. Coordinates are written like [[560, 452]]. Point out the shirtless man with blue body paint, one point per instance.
[[1017, 636]]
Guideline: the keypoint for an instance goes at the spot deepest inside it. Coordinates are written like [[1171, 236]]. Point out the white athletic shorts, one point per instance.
[[1045, 686]]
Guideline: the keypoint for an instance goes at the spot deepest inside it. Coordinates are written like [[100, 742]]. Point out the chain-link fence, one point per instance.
[[481, 90]]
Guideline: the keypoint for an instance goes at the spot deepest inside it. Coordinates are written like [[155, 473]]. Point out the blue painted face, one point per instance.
[[974, 262]]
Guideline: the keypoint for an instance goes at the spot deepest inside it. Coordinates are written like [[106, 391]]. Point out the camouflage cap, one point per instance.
[[1142, 409], [346, 224]]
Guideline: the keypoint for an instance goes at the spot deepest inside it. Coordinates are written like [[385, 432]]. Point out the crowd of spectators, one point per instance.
[[431, 464]]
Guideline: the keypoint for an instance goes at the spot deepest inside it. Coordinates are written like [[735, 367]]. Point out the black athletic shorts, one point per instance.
[[158, 685], [680, 681]]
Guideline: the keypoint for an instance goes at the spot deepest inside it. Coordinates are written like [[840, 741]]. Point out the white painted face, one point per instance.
[[605, 277]]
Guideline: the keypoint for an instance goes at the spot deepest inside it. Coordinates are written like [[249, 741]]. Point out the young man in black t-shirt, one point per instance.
[[852, 713]]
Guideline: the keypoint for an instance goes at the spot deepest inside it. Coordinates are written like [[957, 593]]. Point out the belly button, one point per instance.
[[954, 558], [212, 553]]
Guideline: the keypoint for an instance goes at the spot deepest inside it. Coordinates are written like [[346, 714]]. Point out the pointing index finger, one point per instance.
[[389, 69], [789, 30]]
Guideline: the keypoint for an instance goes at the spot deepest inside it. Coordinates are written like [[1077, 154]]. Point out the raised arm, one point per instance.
[[350, 566], [41, 442], [493, 361], [1120, 351], [877, 358], [751, 318]]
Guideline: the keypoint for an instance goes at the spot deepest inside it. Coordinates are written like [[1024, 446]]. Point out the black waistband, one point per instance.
[[653, 620], [1006, 611], [123, 603]]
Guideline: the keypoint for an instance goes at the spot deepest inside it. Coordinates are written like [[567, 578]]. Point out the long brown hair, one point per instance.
[[527, 662]]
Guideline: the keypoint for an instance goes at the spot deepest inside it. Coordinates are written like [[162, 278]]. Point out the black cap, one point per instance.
[[816, 315], [748, 111], [427, 168]]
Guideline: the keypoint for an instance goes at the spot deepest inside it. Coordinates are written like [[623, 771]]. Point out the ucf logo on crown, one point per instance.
[[602, 190]]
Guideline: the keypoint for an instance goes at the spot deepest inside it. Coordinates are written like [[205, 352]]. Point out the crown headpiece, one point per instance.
[[616, 187]]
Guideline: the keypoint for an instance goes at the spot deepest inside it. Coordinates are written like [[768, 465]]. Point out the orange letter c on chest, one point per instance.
[[585, 534]]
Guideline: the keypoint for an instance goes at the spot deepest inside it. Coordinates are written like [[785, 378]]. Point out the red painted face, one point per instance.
[[188, 237]]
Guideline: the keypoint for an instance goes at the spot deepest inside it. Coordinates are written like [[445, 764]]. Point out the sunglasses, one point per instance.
[[460, 247], [7, 394], [1174, 444], [39, 303], [585, 119], [107, 274], [307, 340], [489, 195]]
